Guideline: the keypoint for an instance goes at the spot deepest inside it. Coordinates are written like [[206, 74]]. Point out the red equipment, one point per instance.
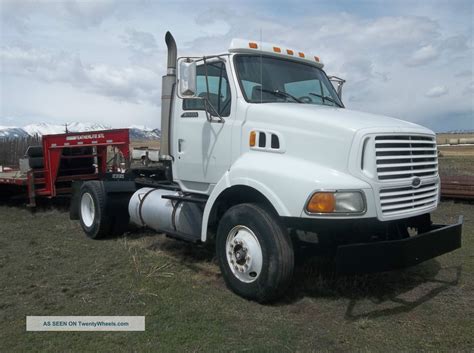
[[65, 158]]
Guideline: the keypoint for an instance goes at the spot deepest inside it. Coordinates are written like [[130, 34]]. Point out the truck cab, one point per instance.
[[259, 155]]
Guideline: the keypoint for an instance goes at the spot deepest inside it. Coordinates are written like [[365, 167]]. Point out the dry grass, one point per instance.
[[457, 151], [48, 267]]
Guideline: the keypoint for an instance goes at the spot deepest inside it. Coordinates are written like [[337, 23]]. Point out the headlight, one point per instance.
[[336, 202]]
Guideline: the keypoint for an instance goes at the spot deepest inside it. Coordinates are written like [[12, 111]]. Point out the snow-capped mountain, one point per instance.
[[12, 132], [48, 129], [136, 132]]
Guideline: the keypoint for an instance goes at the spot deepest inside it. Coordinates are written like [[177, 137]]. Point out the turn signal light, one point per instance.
[[253, 138], [322, 202]]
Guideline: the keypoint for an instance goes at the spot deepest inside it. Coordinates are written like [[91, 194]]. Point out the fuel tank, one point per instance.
[[147, 207]]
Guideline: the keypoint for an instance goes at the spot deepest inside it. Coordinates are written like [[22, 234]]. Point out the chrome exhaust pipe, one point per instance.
[[167, 90]]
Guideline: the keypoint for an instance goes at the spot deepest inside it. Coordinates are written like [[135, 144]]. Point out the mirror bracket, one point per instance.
[[339, 82]]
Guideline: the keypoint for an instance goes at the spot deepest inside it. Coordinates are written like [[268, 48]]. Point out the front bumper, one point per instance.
[[390, 255]]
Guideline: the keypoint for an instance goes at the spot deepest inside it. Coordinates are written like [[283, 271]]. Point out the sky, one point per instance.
[[101, 61]]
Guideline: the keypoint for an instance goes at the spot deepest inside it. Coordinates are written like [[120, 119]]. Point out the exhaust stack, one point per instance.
[[167, 90]]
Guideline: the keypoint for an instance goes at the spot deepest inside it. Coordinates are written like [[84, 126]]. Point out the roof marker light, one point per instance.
[[253, 45], [316, 58], [276, 49], [301, 55], [289, 51]]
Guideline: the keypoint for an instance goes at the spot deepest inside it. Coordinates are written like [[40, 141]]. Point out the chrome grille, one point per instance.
[[405, 156], [407, 199]]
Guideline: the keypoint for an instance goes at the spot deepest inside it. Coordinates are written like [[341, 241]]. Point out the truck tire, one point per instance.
[[36, 162], [34, 151], [93, 214], [255, 252]]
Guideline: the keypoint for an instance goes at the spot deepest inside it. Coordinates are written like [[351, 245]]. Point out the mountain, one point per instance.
[[48, 129], [139, 132], [136, 132], [12, 132]]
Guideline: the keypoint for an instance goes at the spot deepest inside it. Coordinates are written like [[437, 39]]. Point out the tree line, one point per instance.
[[12, 149]]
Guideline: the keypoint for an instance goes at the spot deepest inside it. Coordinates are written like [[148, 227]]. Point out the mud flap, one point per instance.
[[119, 191]]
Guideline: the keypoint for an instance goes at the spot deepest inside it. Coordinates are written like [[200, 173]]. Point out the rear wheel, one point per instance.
[[255, 252], [92, 210]]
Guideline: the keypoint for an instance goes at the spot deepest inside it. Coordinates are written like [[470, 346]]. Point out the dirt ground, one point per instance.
[[48, 267]]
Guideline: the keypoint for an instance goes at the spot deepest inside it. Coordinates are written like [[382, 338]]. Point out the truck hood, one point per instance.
[[312, 115], [320, 134]]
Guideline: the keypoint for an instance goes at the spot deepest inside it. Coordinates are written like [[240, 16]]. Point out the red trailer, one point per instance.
[[49, 170]]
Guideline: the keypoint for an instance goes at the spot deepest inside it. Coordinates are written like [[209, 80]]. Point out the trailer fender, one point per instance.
[[111, 187]]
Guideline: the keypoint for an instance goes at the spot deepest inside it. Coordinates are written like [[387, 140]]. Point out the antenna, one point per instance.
[[261, 73], [67, 131]]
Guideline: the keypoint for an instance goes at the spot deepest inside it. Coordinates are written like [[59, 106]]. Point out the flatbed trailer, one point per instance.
[[49, 170]]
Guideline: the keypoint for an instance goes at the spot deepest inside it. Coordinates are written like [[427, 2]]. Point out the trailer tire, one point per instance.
[[255, 252], [93, 214], [34, 151], [36, 162]]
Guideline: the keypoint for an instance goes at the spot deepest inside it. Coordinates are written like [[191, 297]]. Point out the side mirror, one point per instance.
[[337, 82], [187, 78]]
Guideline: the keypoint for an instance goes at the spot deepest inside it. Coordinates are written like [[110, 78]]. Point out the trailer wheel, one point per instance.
[[92, 210], [255, 252]]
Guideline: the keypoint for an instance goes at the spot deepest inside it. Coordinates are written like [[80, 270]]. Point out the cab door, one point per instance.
[[202, 147]]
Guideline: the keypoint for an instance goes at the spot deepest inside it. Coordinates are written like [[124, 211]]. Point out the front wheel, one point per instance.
[[255, 252]]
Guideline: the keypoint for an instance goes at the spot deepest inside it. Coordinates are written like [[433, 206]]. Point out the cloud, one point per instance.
[[131, 83], [113, 51], [140, 42], [469, 90], [436, 91], [88, 13], [457, 43], [464, 73], [423, 55]]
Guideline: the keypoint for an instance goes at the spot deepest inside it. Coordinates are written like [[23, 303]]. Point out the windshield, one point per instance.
[[265, 79]]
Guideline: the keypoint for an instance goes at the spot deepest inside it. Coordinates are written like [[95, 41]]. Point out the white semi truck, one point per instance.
[[259, 155]]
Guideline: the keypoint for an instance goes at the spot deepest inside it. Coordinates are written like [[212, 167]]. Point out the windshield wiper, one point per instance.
[[279, 93], [324, 98]]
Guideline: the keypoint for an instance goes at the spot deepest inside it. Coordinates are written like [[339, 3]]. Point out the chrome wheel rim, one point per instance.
[[87, 209], [244, 254]]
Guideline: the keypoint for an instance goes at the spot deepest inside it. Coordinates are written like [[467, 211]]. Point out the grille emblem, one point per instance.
[[416, 182]]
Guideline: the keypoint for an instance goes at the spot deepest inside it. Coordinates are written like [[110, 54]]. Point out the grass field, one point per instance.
[[456, 165], [48, 267]]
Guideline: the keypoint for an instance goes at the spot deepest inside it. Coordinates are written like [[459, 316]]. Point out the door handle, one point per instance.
[[180, 143]]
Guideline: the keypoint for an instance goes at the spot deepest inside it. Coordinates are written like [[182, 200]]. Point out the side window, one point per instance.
[[219, 89]]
